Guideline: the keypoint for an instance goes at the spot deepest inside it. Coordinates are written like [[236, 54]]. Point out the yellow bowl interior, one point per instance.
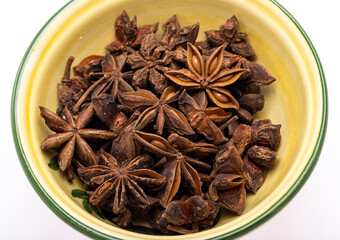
[[85, 27]]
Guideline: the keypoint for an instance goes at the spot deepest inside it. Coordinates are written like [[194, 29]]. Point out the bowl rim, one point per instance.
[[89, 231]]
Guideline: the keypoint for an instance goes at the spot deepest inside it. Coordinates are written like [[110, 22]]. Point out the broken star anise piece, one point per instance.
[[71, 135], [207, 75], [254, 174], [151, 62], [128, 34], [187, 216], [265, 133], [175, 36], [157, 110], [262, 155], [228, 186], [242, 138], [123, 183], [200, 117], [228, 35], [178, 169]]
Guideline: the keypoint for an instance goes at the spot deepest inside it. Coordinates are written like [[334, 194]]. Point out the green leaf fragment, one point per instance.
[[79, 194], [87, 205], [53, 164]]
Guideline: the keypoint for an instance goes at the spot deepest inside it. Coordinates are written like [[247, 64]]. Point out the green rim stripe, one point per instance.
[[233, 234]]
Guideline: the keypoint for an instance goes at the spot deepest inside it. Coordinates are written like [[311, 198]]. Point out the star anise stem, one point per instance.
[[88, 91]]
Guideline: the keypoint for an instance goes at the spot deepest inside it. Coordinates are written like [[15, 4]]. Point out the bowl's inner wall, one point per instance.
[[89, 28]]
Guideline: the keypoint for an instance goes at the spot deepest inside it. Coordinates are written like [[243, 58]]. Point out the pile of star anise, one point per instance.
[[164, 129]]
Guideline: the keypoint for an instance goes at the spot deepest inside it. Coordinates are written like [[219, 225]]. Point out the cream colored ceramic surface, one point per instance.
[[85, 27]]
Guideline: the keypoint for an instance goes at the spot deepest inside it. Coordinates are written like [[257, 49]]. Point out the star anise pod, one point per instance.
[[228, 186], [124, 146], [111, 79], [175, 36], [258, 74], [187, 216], [88, 65], [265, 133], [150, 62], [254, 174], [262, 155], [123, 183], [202, 118], [185, 146], [127, 33], [108, 112], [178, 169], [228, 35], [207, 75], [157, 110], [258, 142], [71, 135]]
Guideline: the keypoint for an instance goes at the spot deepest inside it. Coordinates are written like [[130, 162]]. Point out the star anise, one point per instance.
[[178, 169], [124, 146], [175, 36], [71, 135], [265, 133], [254, 174], [158, 110], [187, 216], [127, 33], [88, 65], [108, 112], [262, 155], [258, 142], [111, 79], [202, 118], [151, 62], [207, 75], [258, 74], [228, 186], [185, 146], [228, 35], [123, 183]]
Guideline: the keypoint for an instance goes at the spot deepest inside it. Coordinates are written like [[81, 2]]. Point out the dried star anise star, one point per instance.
[[187, 216], [228, 35], [175, 36], [151, 62], [178, 169], [157, 110], [123, 183], [70, 135], [111, 79], [207, 75], [127, 33], [202, 118]]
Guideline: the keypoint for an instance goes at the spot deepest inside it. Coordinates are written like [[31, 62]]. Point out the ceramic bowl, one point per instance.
[[297, 99]]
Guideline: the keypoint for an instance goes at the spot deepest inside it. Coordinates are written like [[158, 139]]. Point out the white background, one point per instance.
[[313, 214]]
